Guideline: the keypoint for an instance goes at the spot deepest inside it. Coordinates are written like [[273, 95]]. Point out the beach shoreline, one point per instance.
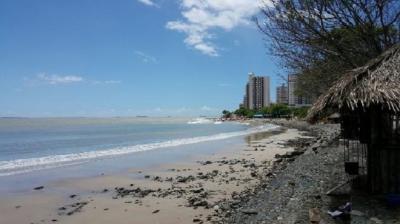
[[182, 192]]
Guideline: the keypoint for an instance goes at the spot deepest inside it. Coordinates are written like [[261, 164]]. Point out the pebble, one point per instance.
[[249, 211]]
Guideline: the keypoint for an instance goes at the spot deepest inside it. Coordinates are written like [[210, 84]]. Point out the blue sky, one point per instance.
[[128, 57]]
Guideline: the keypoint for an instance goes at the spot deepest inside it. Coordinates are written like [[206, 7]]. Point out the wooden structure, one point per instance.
[[368, 100]]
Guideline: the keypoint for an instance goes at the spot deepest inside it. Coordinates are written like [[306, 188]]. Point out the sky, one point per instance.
[[128, 57]]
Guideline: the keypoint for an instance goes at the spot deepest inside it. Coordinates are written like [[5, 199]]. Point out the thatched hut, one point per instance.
[[368, 100]]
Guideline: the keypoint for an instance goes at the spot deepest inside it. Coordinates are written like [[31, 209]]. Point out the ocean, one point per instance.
[[31, 148]]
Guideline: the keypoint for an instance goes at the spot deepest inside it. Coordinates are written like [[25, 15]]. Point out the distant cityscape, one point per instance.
[[257, 93]]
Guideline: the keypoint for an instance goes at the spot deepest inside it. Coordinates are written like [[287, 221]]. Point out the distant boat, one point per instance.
[[142, 116]]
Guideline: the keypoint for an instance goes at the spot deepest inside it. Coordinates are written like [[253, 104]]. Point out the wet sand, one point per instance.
[[183, 192]]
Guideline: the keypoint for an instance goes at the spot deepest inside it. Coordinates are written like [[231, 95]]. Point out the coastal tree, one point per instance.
[[244, 112], [321, 39], [276, 110], [226, 113], [300, 112], [279, 110]]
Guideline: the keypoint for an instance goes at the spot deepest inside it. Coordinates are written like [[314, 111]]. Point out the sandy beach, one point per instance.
[[182, 192]]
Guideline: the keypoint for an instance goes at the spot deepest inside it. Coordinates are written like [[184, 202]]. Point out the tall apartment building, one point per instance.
[[282, 94], [294, 99], [257, 92], [246, 97]]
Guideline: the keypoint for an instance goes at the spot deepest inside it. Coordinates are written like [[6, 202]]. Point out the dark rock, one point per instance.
[[269, 174], [197, 201], [136, 192], [72, 208], [182, 179], [198, 190], [296, 152], [156, 211], [200, 203], [206, 162], [157, 178], [249, 211], [291, 159]]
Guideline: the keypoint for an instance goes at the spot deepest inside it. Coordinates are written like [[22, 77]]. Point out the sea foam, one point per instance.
[[200, 120]]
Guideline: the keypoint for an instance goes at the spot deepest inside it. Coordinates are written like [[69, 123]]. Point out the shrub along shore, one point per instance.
[[272, 111]]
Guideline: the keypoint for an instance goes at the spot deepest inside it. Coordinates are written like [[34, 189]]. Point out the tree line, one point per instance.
[[272, 111]]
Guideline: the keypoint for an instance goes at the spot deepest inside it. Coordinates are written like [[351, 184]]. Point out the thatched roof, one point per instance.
[[376, 83]]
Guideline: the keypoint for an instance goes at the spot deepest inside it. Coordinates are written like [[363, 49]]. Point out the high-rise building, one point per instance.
[[293, 98], [246, 97], [257, 92], [282, 94]]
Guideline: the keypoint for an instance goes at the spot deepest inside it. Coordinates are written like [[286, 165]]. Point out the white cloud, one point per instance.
[[145, 57], [112, 82], [201, 17], [106, 82], [57, 79], [54, 79], [148, 2]]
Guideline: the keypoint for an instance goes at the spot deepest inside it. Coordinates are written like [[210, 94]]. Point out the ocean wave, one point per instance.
[[200, 120], [17, 166]]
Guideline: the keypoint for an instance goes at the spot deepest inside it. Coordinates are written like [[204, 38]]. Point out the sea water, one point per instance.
[[34, 145]]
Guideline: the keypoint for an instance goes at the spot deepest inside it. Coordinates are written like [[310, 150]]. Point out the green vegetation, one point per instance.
[[277, 110], [273, 111], [226, 114], [300, 112], [243, 112]]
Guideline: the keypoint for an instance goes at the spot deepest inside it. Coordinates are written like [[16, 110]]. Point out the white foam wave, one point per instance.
[[26, 165], [200, 120]]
